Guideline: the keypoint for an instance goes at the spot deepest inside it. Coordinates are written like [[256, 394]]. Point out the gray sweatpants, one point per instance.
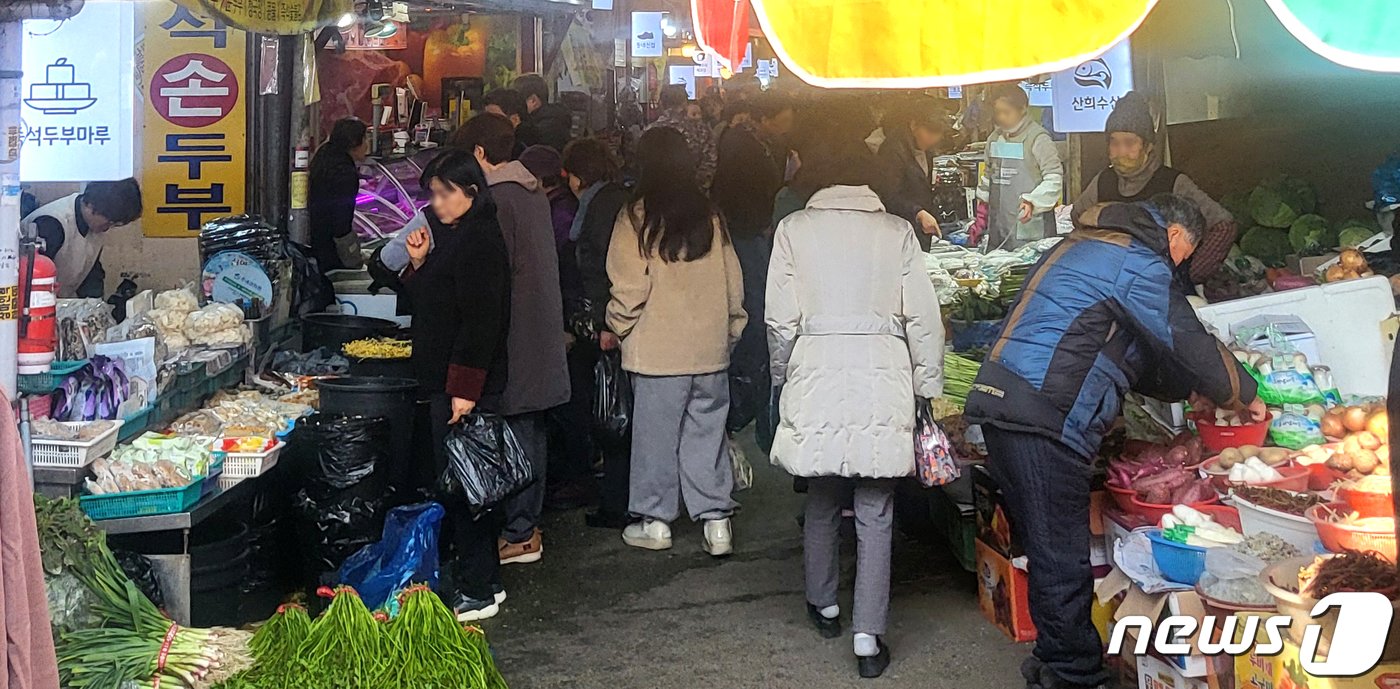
[[821, 546], [679, 447]]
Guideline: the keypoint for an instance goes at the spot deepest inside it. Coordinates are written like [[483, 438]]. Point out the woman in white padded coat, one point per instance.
[[854, 333]]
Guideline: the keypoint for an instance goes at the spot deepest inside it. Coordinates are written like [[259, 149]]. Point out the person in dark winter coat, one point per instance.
[[912, 131], [459, 280], [544, 122], [752, 164], [333, 185], [538, 378], [1137, 174], [592, 174], [1099, 315]]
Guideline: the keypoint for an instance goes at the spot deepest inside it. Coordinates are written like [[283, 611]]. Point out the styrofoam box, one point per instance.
[[1346, 318]]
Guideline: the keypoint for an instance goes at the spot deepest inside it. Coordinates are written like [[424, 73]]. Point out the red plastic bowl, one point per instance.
[[1123, 497], [1366, 503], [1154, 512], [1340, 538], [1218, 438]]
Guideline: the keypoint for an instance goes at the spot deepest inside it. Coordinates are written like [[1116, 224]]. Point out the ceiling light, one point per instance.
[[346, 20]]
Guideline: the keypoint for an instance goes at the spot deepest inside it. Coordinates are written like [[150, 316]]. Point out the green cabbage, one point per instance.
[[1301, 189], [1237, 203], [1267, 244], [1274, 205], [1311, 235], [1352, 232]]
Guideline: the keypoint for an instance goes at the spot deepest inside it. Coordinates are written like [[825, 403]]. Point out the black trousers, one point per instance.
[[614, 488], [467, 550], [571, 448], [1046, 486]]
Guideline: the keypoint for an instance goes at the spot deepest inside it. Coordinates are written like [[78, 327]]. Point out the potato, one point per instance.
[[1379, 425], [1273, 455], [1351, 444], [1247, 451], [1230, 457], [1368, 440], [1365, 461], [1335, 274], [1340, 461]]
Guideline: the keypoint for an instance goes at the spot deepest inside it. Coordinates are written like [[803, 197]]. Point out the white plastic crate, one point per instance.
[[241, 465], [73, 453]]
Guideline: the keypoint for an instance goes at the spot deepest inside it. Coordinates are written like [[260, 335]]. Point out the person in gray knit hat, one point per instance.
[[1136, 173]]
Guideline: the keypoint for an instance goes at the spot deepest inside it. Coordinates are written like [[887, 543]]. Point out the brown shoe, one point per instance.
[[522, 553]]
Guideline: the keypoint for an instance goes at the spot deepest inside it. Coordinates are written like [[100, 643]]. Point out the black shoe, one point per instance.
[[871, 667], [470, 609], [1031, 668], [606, 520], [828, 627]]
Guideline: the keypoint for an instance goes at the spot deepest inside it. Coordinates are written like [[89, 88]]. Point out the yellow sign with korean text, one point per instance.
[[194, 120], [288, 17]]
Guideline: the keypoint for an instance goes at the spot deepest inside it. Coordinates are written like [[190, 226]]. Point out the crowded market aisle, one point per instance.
[[596, 613]]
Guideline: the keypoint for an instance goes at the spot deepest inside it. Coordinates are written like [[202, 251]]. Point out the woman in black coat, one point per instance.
[[332, 187], [912, 132], [458, 282]]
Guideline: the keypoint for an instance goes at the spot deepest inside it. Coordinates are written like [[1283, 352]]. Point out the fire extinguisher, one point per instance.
[[38, 320]]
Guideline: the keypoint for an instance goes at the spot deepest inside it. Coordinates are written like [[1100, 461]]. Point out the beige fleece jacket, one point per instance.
[[674, 319]]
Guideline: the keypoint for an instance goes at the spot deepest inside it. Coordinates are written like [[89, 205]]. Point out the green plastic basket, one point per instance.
[[135, 425], [142, 503], [44, 383]]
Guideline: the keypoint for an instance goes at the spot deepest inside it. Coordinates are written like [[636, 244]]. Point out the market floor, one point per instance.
[[596, 613]]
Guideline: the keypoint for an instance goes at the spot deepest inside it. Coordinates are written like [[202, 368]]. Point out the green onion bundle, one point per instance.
[[346, 647], [958, 376], [433, 651]]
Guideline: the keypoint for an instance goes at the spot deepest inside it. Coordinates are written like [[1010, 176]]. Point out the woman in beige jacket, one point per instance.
[[677, 304]]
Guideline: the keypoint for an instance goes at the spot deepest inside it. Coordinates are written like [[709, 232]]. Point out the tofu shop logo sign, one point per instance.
[[194, 90], [1357, 641]]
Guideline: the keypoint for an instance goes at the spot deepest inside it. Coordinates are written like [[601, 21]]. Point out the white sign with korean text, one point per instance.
[[646, 34], [1084, 96], [78, 95], [683, 75], [1041, 95], [705, 64]]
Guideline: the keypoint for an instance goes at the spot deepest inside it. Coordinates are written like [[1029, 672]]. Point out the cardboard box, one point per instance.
[[993, 518], [1291, 674], [1155, 673], [1306, 266], [1002, 594]]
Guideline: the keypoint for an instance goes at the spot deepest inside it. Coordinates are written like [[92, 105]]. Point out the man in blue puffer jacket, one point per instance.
[[1098, 317]]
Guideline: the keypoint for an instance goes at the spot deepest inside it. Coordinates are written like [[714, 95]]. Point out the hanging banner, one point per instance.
[[79, 94], [683, 75], [646, 34], [722, 28], [287, 17], [194, 126], [1085, 95]]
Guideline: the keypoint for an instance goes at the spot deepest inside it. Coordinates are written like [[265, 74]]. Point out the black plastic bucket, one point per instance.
[[391, 398], [218, 567], [333, 330]]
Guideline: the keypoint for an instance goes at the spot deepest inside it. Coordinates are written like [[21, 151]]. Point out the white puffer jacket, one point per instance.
[[854, 334]]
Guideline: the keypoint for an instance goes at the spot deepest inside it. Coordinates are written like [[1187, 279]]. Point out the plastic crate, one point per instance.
[[73, 453], [251, 464], [142, 503], [135, 424], [43, 383]]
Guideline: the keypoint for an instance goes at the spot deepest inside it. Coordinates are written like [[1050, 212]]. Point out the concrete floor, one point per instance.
[[596, 613]]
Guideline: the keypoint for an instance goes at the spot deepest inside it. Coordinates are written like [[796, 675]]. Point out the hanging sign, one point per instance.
[[1039, 94], [705, 64], [1084, 96], [646, 34], [78, 96], [683, 75], [286, 17], [194, 121]]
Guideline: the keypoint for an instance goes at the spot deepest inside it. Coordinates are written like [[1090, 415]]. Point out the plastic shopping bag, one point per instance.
[[743, 471], [407, 554], [933, 452], [612, 398], [485, 463]]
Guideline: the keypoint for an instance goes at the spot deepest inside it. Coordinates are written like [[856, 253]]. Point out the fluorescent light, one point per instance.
[[346, 20]]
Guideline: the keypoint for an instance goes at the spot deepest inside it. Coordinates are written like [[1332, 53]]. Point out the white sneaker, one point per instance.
[[719, 539], [650, 534]]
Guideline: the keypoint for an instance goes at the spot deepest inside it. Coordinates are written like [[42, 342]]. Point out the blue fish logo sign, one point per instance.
[[1094, 73]]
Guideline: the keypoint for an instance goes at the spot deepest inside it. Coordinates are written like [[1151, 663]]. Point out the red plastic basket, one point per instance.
[[1218, 438], [1155, 512], [1367, 503], [1340, 537], [1123, 497]]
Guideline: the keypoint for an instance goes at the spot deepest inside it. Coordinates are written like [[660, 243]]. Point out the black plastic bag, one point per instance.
[[579, 320], [485, 463], [139, 569], [348, 449], [612, 399]]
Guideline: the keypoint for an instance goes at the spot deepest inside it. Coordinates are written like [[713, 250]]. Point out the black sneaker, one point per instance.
[[871, 667], [470, 609], [828, 627]]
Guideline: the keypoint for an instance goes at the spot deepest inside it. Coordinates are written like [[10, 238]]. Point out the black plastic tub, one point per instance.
[[333, 330], [391, 398], [218, 568]]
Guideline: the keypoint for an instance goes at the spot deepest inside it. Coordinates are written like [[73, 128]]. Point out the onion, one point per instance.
[[1355, 419], [1353, 260]]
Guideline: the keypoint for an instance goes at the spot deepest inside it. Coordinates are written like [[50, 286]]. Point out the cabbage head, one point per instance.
[[1269, 245], [1274, 205], [1237, 203], [1311, 235], [1301, 189], [1352, 232]]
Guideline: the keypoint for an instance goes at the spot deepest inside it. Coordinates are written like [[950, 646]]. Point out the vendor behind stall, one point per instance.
[[1137, 174], [1023, 179], [74, 230], [332, 190]]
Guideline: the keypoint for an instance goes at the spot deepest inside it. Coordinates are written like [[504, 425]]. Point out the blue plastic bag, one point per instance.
[[407, 554]]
